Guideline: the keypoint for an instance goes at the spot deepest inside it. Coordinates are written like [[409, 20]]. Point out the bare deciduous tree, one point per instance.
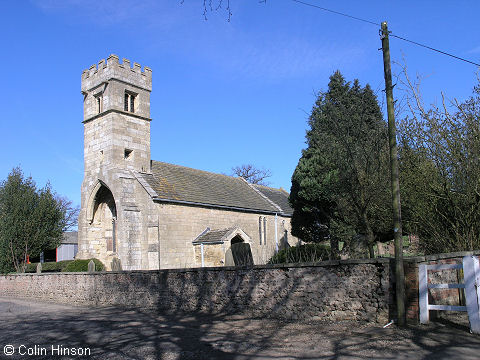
[[210, 6], [71, 212], [440, 167], [252, 174]]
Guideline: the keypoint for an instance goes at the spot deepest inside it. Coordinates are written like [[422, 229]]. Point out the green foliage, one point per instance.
[[82, 265], [65, 266], [440, 174], [48, 266], [340, 185], [301, 254], [31, 220]]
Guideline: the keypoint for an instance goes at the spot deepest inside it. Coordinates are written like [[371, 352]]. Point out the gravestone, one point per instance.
[[116, 264], [91, 266]]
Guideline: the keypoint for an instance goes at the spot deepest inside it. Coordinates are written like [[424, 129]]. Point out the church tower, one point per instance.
[[116, 110], [116, 107]]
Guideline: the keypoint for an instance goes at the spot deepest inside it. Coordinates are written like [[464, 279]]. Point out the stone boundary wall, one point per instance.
[[436, 296], [332, 290], [329, 290]]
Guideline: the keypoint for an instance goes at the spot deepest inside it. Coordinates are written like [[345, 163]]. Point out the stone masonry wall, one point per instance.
[[335, 290], [181, 224]]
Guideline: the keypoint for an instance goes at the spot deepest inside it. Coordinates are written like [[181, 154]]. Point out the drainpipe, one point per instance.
[[201, 249], [276, 234]]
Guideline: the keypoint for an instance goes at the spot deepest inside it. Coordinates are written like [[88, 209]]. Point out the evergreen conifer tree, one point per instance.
[[340, 187], [31, 220]]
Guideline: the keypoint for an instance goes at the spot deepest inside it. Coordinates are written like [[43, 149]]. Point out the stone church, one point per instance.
[[137, 213]]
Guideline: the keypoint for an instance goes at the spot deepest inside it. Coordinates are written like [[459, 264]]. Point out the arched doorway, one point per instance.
[[102, 228], [241, 252]]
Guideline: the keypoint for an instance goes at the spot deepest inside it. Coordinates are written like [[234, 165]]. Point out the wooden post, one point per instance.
[[423, 293], [470, 273], [476, 267], [395, 184]]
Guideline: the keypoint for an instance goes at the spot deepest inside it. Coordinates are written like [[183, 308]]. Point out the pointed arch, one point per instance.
[[102, 217], [100, 189], [239, 252]]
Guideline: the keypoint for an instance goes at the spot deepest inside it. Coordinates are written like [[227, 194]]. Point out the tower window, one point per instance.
[[132, 103], [99, 103], [127, 153], [129, 102]]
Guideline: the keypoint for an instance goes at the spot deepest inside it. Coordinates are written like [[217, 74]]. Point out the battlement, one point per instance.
[[113, 69]]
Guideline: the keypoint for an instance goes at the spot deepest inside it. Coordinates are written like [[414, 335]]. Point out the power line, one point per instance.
[[393, 35], [337, 12], [433, 49]]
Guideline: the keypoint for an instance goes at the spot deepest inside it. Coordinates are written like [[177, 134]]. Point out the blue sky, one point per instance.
[[224, 93]]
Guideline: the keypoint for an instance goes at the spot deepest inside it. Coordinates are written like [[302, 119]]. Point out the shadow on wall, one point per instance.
[[283, 243], [340, 292]]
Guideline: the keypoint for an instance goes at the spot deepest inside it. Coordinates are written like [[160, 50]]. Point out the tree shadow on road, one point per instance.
[[441, 339], [115, 333]]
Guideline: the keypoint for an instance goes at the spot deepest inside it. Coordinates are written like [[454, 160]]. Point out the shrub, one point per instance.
[[48, 266], [302, 253], [82, 265], [65, 266]]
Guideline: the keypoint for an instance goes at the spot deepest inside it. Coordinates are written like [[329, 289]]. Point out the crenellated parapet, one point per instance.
[[113, 69]]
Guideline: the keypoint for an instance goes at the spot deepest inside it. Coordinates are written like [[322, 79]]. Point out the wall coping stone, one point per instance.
[[222, 268], [458, 254], [381, 260]]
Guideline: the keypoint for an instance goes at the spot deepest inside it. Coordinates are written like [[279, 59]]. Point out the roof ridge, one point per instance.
[[190, 168], [271, 188]]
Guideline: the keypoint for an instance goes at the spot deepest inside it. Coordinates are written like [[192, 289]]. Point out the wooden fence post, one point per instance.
[[470, 273], [423, 293]]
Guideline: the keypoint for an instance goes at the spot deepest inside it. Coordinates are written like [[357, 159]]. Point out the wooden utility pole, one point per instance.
[[397, 218]]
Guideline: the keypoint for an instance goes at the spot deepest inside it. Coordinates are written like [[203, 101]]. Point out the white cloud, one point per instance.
[[291, 58], [474, 50], [106, 13], [240, 51]]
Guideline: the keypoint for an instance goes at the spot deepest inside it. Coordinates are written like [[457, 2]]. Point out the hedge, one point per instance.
[[82, 265], [65, 266], [301, 254]]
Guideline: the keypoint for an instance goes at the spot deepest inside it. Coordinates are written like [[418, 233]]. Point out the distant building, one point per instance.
[[67, 250], [150, 214], [69, 247]]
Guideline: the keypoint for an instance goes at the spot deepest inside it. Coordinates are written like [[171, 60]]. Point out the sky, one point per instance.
[[225, 93]]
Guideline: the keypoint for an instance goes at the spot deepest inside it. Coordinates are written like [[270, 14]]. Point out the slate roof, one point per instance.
[[278, 196], [70, 237], [175, 183], [212, 236]]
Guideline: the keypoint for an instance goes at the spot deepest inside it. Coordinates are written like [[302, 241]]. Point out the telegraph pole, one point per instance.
[[397, 218]]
